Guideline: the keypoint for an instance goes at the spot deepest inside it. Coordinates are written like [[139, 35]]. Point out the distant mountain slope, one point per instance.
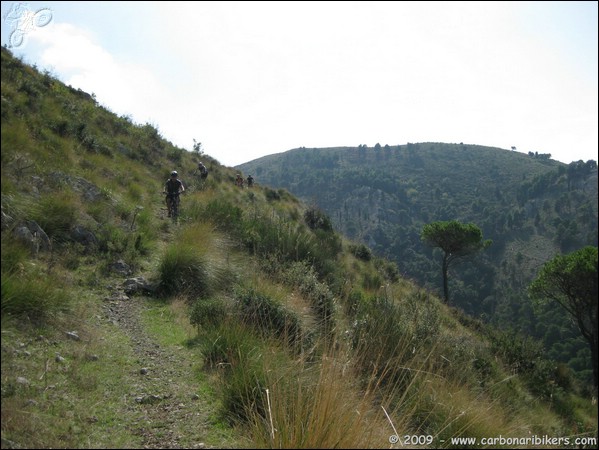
[[532, 207]]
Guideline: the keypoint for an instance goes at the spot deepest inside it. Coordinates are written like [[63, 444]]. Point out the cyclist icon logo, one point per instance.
[[23, 20]]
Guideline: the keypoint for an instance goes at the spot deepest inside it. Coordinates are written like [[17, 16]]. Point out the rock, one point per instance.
[[73, 335], [22, 380], [136, 284], [121, 267]]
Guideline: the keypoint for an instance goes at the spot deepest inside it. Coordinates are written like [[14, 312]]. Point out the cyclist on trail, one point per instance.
[[239, 180], [203, 170], [173, 187]]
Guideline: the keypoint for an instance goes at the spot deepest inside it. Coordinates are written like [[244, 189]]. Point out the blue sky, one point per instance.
[[249, 79]]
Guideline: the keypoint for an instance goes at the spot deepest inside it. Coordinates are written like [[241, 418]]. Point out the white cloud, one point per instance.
[[252, 78], [124, 88]]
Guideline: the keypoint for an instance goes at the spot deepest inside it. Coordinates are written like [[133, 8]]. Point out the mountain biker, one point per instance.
[[203, 170], [172, 188], [239, 180]]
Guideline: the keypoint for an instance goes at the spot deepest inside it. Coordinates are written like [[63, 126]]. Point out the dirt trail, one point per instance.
[[173, 415]]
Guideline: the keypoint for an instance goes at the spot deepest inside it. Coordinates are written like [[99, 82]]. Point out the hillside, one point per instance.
[[248, 323], [529, 205]]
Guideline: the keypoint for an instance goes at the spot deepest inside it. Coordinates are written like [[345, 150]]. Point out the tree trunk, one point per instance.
[[445, 282]]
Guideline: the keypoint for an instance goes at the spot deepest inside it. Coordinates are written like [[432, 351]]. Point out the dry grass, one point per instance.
[[319, 406]]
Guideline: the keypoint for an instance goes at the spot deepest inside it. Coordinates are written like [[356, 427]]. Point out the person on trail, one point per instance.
[[173, 187], [250, 180], [203, 170], [239, 180]]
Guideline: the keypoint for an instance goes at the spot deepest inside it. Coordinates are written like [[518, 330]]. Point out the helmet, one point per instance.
[[174, 173]]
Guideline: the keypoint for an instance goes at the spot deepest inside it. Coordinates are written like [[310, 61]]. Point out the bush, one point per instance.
[[316, 219], [224, 215], [302, 276], [234, 348], [33, 297], [380, 342], [272, 195], [269, 317], [361, 251], [525, 355], [183, 270], [208, 313], [56, 214]]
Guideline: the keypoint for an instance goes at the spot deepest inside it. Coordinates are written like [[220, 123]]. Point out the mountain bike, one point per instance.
[[173, 205]]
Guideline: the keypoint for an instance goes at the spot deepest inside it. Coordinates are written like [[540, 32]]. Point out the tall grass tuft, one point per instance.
[[56, 214], [319, 405], [236, 351], [208, 313], [183, 270], [32, 296], [197, 263], [269, 317], [27, 292]]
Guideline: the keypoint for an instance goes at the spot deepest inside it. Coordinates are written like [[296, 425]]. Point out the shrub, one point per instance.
[[322, 300], [525, 355], [376, 336], [183, 269], [208, 313], [32, 296], [233, 347], [224, 215], [56, 214], [112, 239], [361, 251], [269, 317], [272, 195], [316, 219]]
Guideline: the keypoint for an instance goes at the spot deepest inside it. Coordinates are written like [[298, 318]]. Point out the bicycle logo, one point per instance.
[[23, 20]]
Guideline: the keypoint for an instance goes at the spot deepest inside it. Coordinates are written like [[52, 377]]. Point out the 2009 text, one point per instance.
[[411, 439]]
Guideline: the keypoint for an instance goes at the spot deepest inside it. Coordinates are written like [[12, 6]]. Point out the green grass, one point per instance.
[[77, 403]]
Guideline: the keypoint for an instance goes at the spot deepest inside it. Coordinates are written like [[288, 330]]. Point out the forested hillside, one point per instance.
[[529, 205], [247, 321]]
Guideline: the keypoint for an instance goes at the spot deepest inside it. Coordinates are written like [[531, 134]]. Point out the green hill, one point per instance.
[[530, 206], [248, 323]]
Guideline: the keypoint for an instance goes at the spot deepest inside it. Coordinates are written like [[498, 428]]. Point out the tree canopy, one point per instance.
[[457, 240], [571, 281]]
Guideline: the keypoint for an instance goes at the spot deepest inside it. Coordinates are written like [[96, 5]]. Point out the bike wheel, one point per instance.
[[175, 209]]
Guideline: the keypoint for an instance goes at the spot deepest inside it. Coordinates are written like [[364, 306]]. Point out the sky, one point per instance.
[[250, 79]]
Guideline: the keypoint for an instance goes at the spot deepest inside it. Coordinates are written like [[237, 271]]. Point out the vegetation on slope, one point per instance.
[[530, 206]]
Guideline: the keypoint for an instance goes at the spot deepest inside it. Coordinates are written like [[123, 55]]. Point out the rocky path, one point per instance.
[[165, 397]]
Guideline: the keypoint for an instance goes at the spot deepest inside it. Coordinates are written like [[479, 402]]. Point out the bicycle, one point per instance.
[[173, 201]]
